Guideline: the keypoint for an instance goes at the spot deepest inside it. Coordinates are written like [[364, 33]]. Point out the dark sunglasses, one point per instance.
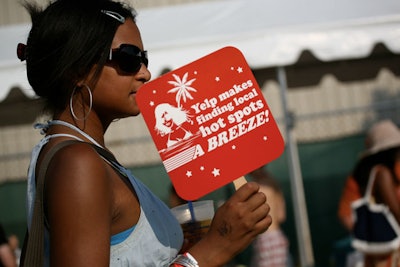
[[129, 58]]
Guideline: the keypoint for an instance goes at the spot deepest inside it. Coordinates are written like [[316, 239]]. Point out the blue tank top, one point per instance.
[[156, 238]]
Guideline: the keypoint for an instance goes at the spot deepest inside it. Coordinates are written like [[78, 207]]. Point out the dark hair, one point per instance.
[[66, 40], [363, 167]]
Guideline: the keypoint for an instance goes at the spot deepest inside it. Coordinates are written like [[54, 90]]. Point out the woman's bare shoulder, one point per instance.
[[78, 170]]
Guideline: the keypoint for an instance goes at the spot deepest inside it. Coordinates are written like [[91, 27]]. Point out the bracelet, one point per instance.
[[185, 260]]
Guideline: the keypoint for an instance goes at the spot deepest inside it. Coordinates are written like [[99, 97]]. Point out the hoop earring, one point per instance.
[[90, 103]]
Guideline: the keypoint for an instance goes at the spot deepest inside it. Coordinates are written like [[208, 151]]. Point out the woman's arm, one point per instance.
[[236, 223], [79, 201], [385, 190]]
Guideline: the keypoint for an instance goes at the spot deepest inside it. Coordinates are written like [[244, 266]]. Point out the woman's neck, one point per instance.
[[90, 126]]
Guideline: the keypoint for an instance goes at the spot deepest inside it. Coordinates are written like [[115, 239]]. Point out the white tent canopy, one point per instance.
[[269, 33]]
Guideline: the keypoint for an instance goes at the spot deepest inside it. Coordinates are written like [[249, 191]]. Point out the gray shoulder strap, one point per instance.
[[35, 247]]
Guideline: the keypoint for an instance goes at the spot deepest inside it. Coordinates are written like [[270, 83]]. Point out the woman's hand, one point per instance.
[[236, 223]]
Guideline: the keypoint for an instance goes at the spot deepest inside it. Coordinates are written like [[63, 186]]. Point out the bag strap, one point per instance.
[[108, 157], [35, 246], [371, 179], [105, 154]]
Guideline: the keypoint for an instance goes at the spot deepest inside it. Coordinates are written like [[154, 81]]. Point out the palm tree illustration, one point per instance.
[[182, 88]]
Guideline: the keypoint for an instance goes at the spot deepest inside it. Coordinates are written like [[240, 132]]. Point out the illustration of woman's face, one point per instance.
[[166, 119]]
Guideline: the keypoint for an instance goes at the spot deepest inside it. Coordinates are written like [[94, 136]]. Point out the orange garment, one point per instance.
[[350, 193]]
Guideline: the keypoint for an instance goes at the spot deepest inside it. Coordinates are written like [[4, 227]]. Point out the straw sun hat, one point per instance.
[[381, 136]]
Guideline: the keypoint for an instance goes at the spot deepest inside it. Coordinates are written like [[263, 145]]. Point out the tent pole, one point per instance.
[[297, 189]]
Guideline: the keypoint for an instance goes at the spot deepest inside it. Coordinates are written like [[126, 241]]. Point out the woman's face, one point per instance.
[[166, 119], [115, 93]]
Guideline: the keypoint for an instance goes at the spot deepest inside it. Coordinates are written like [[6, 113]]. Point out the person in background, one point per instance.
[[350, 193], [382, 155], [13, 241], [7, 257], [86, 59], [271, 249]]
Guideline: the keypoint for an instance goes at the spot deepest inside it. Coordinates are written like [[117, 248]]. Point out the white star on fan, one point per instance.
[[215, 172]]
